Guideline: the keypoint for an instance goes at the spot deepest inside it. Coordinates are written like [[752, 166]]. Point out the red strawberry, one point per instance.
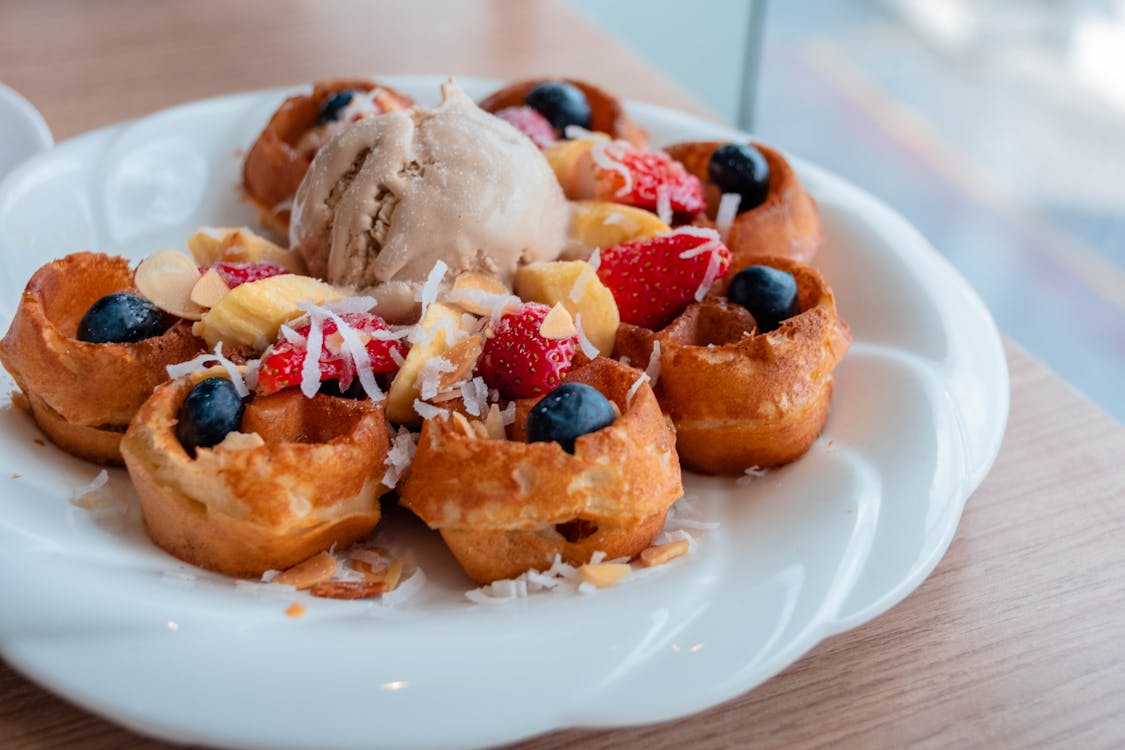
[[529, 122], [235, 274], [653, 282], [518, 361], [650, 174], [281, 365]]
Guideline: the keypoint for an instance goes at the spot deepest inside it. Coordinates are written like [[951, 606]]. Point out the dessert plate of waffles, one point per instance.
[[441, 413]]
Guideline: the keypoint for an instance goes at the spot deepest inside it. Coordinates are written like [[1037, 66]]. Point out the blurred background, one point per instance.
[[995, 126]]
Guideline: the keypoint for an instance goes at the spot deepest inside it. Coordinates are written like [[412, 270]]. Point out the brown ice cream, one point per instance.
[[393, 194]]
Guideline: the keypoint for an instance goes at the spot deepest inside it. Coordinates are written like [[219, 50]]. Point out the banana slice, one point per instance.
[[250, 314]]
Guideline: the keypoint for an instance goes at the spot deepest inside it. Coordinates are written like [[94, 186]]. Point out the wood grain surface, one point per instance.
[[1014, 641]]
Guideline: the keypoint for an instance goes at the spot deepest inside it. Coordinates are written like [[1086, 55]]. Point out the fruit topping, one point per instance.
[[595, 224], [740, 168], [122, 318], [646, 179], [769, 294], [167, 279], [561, 103], [567, 413], [251, 314], [211, 410], [654, 280], [235, 274], [283, 365], [334, 105], [518, 360], [529, 122], [575, 285]]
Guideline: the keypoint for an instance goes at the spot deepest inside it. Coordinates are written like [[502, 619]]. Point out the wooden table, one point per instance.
[[1014, 641]]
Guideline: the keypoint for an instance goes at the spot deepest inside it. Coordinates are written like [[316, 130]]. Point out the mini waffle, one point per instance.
[[787, 224], [309, 480], [741, 399], [82, 394], [506, 506], [607, 115]]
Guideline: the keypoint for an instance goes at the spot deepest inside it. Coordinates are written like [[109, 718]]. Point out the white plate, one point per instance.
[[96, 613]]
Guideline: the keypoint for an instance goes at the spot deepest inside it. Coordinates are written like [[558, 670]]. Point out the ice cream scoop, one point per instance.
[[393, 194]]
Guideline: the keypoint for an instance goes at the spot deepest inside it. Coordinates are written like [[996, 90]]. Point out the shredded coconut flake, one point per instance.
[[714, 263], [559, 578], [508, 414], [726, 213], [475, 395], [636, 386], [605, 159], [584, 343], [429, 377], [748, 476], [310, 366], [586, 277], [664, 204], [206, 361], [347, 305], [400, 456], [95, 495], [283, 206], [429, 411], [429, 291]]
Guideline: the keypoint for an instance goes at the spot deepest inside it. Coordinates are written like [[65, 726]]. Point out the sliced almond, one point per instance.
[[209, 289], [317, 569], [558, 324], [462, 422], [463, 356], [393, 576], [371, 573], [494, 424], [167, 278], [480, 430], [348, 589], [603, 574], [659, 554]]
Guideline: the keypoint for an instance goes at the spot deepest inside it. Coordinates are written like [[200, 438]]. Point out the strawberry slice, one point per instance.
[[518, 361], [236, 274], [654, 280], [626, 174], [282, 363], [532, 124]]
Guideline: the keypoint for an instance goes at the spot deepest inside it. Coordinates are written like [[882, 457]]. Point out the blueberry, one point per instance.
[[334, 106], [741, 168], [568, 412], [212, 409], [122, 318], [561, 103], [769, 294]]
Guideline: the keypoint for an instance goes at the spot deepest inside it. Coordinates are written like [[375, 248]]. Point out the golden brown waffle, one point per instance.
[[246, 506], [83, 395], [787, 224], [607, 115], [741, 399], [507, 506]]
